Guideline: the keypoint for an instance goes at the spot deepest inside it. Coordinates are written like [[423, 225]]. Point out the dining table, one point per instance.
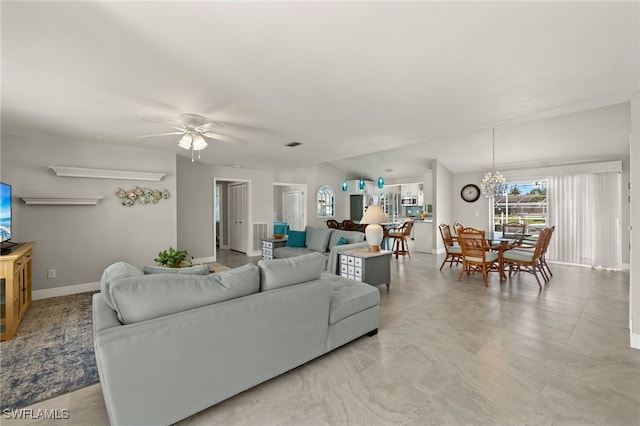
[[501, 242]]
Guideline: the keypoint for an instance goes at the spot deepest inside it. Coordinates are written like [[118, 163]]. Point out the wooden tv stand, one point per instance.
[[15, 291]]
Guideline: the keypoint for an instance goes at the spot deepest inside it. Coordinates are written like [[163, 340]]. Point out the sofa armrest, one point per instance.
[[332, 263]]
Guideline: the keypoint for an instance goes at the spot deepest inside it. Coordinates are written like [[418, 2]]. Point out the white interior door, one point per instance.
[[238, 205], [292, 210]]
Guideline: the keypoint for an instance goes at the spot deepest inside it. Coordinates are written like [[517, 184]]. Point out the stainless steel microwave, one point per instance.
[[409, 201]]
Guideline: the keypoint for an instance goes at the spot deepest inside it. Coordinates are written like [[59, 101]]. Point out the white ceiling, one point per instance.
[[346, 79]]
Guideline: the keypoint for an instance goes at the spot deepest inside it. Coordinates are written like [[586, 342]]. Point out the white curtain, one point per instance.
[[586, 210]]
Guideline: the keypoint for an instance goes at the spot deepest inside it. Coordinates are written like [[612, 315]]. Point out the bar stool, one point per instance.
[[400, 236]]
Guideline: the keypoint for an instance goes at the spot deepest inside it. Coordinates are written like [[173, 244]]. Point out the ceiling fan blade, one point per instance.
[[225, 138], [207, 126], [164, 124], [161, 134]]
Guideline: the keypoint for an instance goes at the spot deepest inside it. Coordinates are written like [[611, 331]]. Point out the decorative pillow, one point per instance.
[[341, 241], [350, 236], [318, 238], [192, 270], [296, 239], [112, 273], [276, 273], [151, 296]]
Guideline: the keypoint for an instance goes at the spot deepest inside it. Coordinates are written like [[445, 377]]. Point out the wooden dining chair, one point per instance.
[[514, 228], [529, 261], [543, 257], [453, 251], [477, 255], [400, 238], [530, 245], [332, 223], [348, 225]]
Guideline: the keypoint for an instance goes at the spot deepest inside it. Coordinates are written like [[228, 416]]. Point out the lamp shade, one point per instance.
[[374, 214]]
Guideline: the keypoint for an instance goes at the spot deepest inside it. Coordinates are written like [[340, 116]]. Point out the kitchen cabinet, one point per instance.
[[409, 190]]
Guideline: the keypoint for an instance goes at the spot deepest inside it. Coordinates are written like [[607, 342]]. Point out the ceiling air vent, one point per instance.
[[293, 144]]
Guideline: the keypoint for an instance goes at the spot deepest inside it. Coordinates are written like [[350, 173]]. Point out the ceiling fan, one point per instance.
[[194, 129]]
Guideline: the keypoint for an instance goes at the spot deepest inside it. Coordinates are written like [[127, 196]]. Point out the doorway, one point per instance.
[[232, 213], [289, 202]]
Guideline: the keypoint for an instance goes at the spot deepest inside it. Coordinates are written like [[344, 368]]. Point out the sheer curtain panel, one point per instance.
[[586, 211]]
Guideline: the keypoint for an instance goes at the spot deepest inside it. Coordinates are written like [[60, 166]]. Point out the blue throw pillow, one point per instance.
[[296, 239], [342, 241]]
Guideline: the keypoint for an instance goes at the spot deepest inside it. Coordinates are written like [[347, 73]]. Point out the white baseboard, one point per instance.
[[64, 291]]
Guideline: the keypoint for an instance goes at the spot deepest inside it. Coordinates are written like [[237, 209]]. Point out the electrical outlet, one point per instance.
[[51, 273]]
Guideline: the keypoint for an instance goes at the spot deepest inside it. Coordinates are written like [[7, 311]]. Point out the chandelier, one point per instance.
[[493, 183]]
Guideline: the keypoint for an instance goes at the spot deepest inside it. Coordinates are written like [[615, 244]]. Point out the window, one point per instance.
[[325, 202], [524, 202]]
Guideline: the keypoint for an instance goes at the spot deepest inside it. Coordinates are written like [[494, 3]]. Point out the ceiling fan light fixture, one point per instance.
[[185, 141], [198, 143]]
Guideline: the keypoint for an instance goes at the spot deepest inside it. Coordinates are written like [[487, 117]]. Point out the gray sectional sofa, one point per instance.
[[170, 345], [324, 241]]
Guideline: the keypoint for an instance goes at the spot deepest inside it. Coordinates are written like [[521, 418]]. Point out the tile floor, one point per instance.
[[452, 353]]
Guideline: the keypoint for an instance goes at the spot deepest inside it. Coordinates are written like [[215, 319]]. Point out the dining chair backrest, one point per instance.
[[406, 228], [332, 223], [543, 242], [472, 243], [514, 228], [458, 227], [348, 225], [545, 236], [445, 233]]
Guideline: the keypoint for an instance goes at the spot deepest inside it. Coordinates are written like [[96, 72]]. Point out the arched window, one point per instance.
[[325, 202]]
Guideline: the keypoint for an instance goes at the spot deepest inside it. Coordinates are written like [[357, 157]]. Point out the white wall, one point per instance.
[[79, 242], [441, 182], [314, 177]]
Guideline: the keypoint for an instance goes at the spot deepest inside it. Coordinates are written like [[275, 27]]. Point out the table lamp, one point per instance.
[[373, 217]]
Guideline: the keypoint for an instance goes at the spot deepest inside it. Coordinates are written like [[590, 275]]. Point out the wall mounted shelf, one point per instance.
[[83, 172], [61, 199]]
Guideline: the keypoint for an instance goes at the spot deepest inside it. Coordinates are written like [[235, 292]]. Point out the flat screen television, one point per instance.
[[5, 212]]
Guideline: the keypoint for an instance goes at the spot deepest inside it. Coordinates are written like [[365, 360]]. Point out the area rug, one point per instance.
[[52, 353]]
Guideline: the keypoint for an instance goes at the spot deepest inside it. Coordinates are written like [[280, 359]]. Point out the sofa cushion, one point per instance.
[[318, 238], [348, 297], [151, 296], [284, 252], [296, 239], [350, 236], [342, 241], [276, 273], [114, 272], [192, 270]]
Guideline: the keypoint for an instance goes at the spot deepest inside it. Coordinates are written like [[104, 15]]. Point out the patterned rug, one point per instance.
[[52, 353]]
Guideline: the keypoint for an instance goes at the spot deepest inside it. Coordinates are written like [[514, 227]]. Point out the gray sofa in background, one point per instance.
[[324, 241], [170, 345]]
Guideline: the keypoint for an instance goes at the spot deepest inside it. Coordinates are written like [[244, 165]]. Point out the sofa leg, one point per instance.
[[372, 333]]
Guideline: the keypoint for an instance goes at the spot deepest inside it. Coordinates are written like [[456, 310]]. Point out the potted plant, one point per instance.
[[173, 258]]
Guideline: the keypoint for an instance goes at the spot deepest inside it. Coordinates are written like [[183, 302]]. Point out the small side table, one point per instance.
[[270, 244], [371, 267]]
